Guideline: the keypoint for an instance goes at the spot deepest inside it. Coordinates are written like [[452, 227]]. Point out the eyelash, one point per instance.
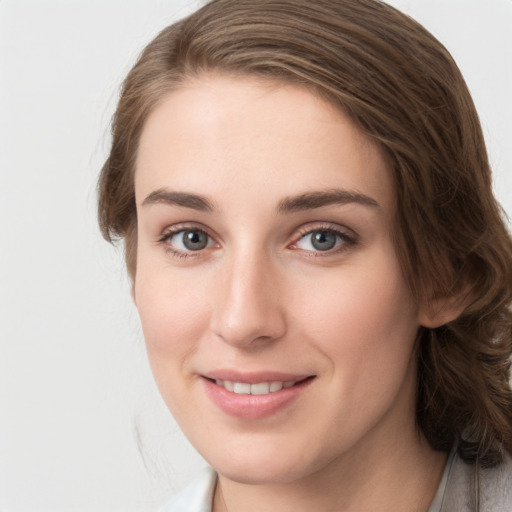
[[344, 240], [168, 234]]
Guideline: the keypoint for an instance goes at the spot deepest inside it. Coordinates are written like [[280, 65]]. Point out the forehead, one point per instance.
[[230, 133]]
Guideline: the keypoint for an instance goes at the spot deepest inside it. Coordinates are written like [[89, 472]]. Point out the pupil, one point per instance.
[[323, 240], [195, 240]]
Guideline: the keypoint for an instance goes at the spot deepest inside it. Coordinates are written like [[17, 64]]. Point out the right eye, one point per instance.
[[186, 241]]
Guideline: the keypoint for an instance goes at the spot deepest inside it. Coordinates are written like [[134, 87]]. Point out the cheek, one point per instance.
[[173, 315], [359, 299], [364, 320], [173, 325]]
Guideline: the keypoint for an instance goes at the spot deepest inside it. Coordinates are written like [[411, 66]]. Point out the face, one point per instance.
[[278, 324]]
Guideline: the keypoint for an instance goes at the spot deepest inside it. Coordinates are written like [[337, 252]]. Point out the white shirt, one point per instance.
[[196, 497]]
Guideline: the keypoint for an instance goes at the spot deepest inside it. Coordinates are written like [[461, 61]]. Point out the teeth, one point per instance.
[[242, 388], [260, 388], [276, 386]]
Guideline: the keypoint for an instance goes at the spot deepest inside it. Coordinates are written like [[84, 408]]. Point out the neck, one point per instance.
[[402, 477]]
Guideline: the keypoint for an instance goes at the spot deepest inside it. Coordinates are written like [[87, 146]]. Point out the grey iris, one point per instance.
[[195, 240], [323, 240]]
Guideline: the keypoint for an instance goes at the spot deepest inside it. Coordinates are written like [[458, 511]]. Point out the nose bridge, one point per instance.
[[248, 308]]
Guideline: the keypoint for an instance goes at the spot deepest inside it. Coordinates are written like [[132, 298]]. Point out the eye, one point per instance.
[[188, 240], [323, 240]]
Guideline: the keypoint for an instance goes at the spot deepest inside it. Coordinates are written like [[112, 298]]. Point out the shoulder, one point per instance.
[[196, 497], [491, 488], [496, 487]]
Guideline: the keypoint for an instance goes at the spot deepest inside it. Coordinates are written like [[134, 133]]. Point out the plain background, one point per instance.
[[76, 393]]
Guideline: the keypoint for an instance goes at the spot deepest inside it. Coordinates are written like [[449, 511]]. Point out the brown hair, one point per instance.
[[403, 89]]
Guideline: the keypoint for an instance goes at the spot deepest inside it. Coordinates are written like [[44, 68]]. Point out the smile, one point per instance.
[[259, 388], [258, 398]]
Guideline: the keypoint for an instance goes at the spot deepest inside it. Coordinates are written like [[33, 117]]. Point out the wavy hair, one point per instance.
[[402, 88]]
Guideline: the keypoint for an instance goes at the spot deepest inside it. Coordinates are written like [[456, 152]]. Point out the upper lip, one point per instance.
[[254, 377]]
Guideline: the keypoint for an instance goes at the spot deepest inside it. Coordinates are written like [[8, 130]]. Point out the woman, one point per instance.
[[322, 274]]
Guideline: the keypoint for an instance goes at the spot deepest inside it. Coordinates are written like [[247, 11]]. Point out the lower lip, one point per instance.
[[253, 406]]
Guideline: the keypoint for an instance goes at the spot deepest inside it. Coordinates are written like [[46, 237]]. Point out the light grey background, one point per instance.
[[75, 388]]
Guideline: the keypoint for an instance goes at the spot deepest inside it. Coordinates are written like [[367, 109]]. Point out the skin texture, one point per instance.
[[260, 297]]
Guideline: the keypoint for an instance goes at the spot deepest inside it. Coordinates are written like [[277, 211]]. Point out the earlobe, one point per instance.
[[442, 311]]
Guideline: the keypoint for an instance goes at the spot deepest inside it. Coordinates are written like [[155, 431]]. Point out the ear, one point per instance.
[[443, 310]]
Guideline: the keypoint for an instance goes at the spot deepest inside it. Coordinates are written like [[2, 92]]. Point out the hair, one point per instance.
[[401, 87]]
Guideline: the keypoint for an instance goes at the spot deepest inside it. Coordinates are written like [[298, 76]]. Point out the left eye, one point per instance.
[[190, 240], [321, 240]]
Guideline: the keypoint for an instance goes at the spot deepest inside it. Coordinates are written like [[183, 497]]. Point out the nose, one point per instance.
[[249, 310]]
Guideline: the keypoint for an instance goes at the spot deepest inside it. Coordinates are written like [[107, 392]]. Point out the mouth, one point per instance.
[[256, 396], [257, 388]]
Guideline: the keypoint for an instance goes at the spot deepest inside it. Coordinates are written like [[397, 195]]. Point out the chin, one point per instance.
[[264, 465], [268, 474]]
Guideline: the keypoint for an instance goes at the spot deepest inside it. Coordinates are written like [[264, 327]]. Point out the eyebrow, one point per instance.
[[306, 201], [193, 201], [312, 200]]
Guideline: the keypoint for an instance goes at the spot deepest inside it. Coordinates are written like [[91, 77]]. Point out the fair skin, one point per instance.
[[265, 255]]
